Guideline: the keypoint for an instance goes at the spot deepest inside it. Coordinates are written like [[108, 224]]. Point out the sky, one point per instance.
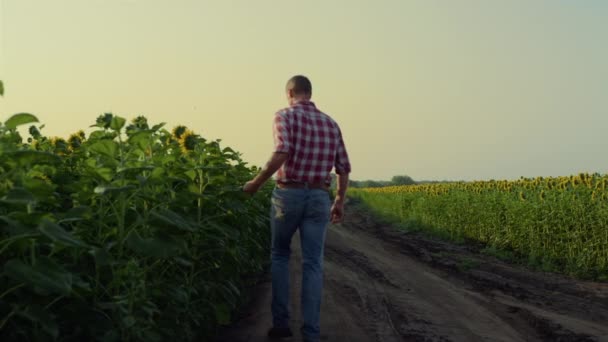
[[437, 90]]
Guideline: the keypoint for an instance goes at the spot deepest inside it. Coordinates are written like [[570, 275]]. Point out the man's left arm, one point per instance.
[[276, 161]]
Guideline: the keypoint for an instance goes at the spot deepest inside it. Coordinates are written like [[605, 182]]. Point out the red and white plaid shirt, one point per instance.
[[313, 141]]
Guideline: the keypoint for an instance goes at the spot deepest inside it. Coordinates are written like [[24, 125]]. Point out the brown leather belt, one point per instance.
[[302, 185]]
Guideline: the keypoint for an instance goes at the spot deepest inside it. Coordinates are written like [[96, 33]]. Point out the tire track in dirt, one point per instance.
[[434, 309], [384, 285]]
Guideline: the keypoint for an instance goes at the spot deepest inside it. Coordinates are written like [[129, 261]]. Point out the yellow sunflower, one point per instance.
[[178, 131], [60, 145], [75, 140], [187, 141]]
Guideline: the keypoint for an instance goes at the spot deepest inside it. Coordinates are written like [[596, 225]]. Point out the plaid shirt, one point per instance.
[[313, 141]]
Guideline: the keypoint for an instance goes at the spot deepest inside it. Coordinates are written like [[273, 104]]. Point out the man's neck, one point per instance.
[[297, 100]]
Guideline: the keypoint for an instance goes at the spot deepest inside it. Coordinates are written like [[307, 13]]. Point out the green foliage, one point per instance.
[[555, 224], [131, 234], [402, 180], [368, 184], [19, 119], [395, 180]]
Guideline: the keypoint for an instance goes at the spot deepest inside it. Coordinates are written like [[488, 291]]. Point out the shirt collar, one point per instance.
[[304, 103]]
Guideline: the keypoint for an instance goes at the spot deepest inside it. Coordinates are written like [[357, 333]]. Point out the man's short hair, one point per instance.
[[300, 85]]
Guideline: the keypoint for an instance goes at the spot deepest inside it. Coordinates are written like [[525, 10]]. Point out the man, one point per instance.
[[308, 145]]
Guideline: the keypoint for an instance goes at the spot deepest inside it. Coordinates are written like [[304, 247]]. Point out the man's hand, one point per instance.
[[251, 187], [276, 160], [337, 212]]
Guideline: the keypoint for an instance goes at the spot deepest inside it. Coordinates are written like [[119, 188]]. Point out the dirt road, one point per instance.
[[384, 285]]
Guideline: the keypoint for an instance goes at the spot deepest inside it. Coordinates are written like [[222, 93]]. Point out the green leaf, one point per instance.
[[155, 247], [169, 158], [1, 88], [191, 174], [151, 336], [18, 196], [117, 123], [193, 188], [180, 295], [212, 168], [38, 315], [46, 275], [102, 257], [184, 262], [222, 314], [56, 233], [231, 188], [172, 219], [28, 219], [111, 336], [105, 173], [141, 139], [128, 321], [12, 227], [80, 284], [159, 126], [134, 170], [107, 148], [79, 212], [20, 119], [100, 135], [29, 157], [38, 187], [102, 189], [158, 173]]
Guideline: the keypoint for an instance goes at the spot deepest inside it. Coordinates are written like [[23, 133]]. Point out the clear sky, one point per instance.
[[433, 89]]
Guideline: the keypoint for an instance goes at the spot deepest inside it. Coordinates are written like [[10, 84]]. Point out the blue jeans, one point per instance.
[[309, 211]]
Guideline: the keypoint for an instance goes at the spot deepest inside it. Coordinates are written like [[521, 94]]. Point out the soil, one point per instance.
[[382, 284]]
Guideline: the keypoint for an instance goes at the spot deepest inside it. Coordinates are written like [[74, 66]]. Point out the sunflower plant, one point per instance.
[[127, 233]]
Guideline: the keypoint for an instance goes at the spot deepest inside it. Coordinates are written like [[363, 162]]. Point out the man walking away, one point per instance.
[[308, 145]]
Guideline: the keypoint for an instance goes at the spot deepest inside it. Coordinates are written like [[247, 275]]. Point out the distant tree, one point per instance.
[[371, 184], [353, 184], [402, 180], [367, 184], [396, 180]]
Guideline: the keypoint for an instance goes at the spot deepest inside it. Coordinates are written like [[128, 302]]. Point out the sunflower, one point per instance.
[[137, 124], [41, 176], [522, 196], [178, 131], [58, 142], [75, 140], [60, 145], [34, 132], [187, 141], [81, 134], [104, 120], [140, 122]]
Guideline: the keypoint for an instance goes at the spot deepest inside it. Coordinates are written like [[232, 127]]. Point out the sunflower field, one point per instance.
[[128, 233], [560, 223]]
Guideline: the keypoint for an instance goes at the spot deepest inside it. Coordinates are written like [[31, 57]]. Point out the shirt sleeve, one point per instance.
[[280, 132], [342, 164]]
